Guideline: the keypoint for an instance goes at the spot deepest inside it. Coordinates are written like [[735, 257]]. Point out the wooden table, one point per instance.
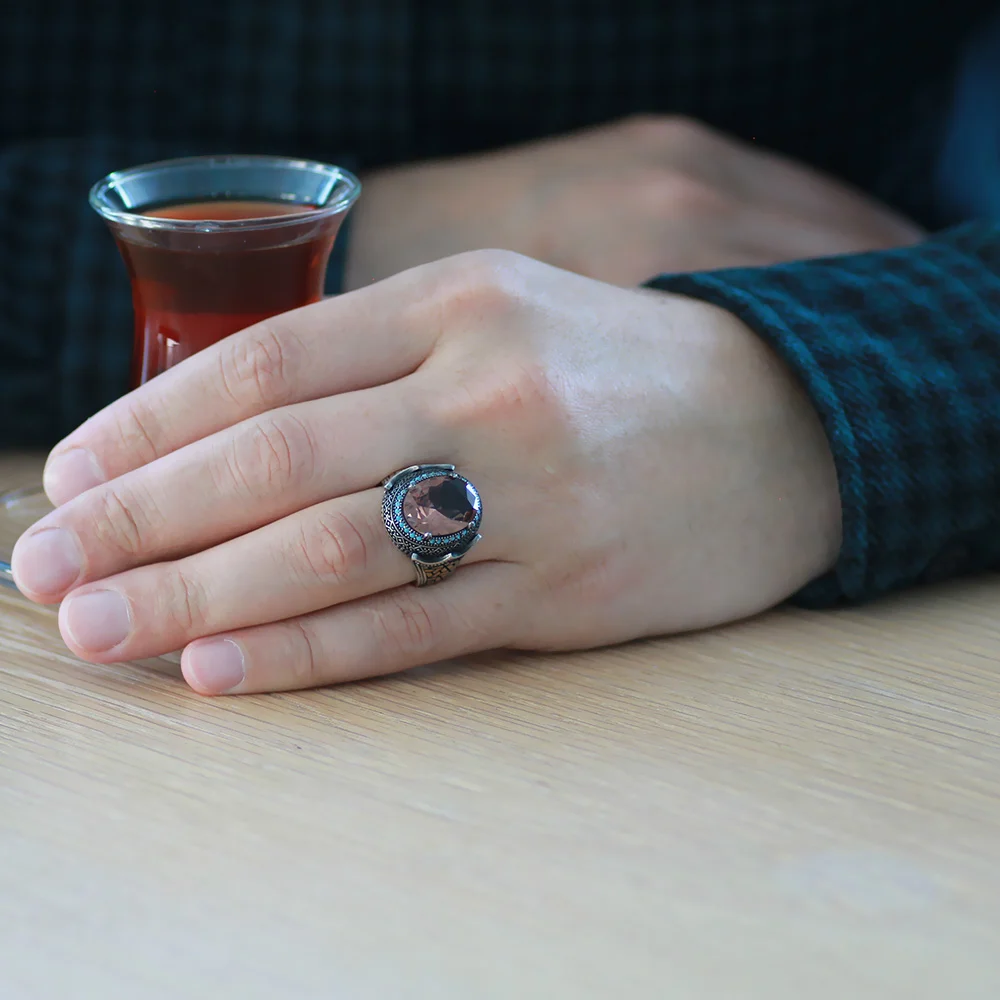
[[803, 805]]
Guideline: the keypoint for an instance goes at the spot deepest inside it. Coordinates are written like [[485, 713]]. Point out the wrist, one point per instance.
[[759, 419]]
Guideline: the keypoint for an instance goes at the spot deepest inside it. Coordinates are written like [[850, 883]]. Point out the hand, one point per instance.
[[646, 466], [620, 203]]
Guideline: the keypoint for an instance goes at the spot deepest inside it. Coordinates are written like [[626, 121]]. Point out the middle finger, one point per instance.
[[223, 486]]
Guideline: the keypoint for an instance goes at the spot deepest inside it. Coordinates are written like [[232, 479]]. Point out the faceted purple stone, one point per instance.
[[441, 505]]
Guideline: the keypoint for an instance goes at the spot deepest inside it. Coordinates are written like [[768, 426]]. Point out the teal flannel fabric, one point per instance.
[[898, 351]]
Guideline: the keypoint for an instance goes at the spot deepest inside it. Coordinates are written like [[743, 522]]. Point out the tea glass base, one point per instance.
[[19, 510]]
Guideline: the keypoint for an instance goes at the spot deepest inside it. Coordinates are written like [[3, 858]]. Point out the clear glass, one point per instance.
[[212, 244], [19, 510]]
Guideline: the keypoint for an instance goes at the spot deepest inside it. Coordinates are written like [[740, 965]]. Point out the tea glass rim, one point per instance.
[[98, 196]]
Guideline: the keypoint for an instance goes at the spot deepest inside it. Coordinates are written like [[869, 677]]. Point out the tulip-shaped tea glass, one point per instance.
[[212, 244]]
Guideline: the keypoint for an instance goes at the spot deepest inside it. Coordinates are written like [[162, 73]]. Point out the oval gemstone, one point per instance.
[[440, 505]]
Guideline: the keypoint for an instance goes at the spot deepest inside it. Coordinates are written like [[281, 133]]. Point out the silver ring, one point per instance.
[[432, 514]]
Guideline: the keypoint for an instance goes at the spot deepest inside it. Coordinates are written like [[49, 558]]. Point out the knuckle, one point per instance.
[[123, 523], [684, 132], [334, 549], [403, 627], [485, 264], [256, 367], [271, 454], [644, 125], [677, 195], [471, 290], [482, 285], [660, 129], [516, 393], [139, 432], [187, 604], [300, 658]]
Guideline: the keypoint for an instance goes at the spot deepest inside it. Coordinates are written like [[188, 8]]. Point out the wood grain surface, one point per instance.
[[802, 805]]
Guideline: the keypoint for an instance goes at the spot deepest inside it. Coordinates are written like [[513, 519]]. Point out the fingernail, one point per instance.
[[47, 562], [70, 474], [215, 666], [97, 621]]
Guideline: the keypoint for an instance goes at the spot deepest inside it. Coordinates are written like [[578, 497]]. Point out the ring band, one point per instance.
[[432, 514]]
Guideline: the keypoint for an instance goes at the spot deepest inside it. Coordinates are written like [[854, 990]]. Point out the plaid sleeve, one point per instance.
[[900, 353], [65, 304]]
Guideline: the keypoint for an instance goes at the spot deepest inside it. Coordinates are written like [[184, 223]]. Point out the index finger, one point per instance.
[[354, 341]]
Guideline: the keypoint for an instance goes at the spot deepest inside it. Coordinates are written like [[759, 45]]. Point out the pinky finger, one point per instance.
[[477, 609]]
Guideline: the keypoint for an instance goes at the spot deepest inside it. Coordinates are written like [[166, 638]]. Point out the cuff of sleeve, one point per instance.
[[899, 351]]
